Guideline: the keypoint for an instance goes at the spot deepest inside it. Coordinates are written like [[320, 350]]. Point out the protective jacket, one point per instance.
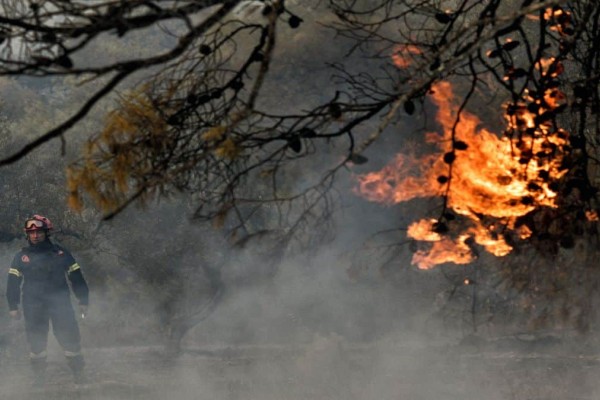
[[44, 271]]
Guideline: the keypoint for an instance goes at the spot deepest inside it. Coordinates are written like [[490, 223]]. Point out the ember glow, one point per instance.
[[403, 53], [489, 181]]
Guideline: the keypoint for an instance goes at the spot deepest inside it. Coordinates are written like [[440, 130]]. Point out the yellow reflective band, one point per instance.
[[15, 272], [73, 267]]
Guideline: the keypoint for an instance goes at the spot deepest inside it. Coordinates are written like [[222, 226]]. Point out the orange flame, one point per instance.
[[490, 180], [402, 55], [592, 216], [559, 20], [497, 179]]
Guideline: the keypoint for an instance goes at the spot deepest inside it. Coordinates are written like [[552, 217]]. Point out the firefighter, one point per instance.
[[42, 269]]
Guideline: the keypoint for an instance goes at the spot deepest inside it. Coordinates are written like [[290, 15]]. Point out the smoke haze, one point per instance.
[[335, 321]]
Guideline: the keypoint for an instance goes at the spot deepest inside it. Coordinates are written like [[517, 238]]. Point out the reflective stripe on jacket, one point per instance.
[[42, 270]]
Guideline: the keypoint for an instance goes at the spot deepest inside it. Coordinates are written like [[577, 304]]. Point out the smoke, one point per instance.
[[297, 327], [339, 321]]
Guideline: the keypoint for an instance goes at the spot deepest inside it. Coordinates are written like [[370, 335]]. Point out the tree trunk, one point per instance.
[[181, 325]]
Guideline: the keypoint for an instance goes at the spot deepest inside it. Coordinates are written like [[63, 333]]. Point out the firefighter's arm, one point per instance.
[[13, 291], [78, 284]]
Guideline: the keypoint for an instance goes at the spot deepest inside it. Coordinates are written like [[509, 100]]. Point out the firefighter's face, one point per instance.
[[36, 236]]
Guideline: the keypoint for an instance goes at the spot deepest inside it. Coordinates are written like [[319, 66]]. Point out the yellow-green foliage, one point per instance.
[[118, 161], [223, 146], [227, 149], [214, 134], [132, 153]]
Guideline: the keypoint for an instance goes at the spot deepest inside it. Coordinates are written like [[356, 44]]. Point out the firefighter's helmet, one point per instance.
[[37, 222]]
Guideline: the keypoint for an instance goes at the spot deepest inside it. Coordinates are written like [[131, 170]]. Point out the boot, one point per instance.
[[76, 364], [38, 366]]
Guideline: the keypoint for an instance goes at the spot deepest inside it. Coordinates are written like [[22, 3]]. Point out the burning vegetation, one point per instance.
[[491, 184], [490, 181]]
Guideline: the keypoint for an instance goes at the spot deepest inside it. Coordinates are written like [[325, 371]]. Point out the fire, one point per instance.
[[485, 178], [402, 56], [488, 180], [592, 215], [560, 20]]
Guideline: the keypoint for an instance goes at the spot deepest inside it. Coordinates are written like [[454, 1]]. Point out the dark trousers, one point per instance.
[[58, 310]]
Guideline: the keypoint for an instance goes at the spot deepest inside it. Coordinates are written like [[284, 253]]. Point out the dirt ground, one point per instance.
[[327, 368]]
